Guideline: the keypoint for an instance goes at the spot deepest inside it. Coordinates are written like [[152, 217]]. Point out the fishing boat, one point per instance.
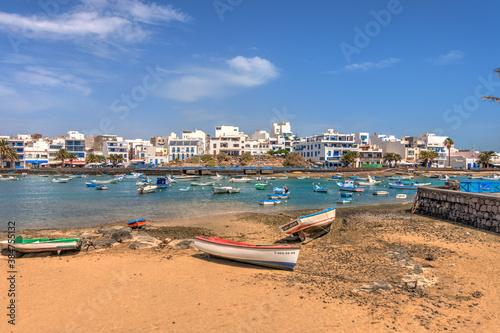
[[162, 182], [184, 189], [400, 196], [282, 177], [275, 256], [394, 178], [445, 177], [225, 190], [109, 181], [185, 178], [101, 187], [134, 175], [217, 176], [344, 201], [240, 179], [269, 202], [354, 177], [281, 190], [279, 196], [421, 184], [45, 244], [146, 189], [346, 195], [259, 186], [369, 181], [380, 192], [492, 177], [137, 224], [303, 177], [348, 185], [203, 184], [317, 188], [337, 176], [310, 226], [43, 175], [143, 181], [9, 178], [59, 180], [91, 184], [403, 186]]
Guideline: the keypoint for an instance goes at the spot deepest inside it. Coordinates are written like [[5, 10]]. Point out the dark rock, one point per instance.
[[104, 243], [373, 286], [182, 244], [121, 235]]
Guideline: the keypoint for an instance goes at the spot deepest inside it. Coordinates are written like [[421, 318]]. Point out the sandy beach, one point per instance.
[[379, 269]]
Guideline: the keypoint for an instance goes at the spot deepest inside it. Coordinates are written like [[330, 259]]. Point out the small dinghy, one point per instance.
[[92, 185], [270, 202], [279, 196], [400, 196], [146, 189], [184, 189], [344, 201], [310, 227], [346, 195], [137, 224], [380, 192], [274, 256], [317, 188], [45, 244], [101, 187], [225, 190], [60, 180]]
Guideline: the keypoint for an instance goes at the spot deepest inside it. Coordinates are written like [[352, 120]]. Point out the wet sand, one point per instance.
[[439, 277]]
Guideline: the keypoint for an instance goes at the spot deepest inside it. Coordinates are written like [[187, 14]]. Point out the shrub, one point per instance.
[[222, 157], [246, 157], [294, 160], [207, 157]]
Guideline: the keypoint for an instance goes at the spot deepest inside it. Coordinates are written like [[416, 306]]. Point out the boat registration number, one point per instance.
[[289, 225], [283, 253]]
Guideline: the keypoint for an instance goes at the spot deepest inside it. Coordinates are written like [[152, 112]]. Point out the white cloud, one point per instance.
[[114, 22], [51, 78], [365, 66], [191, 84], [452, 57]]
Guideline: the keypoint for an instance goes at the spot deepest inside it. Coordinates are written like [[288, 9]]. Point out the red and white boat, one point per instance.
[[275, 256], [312, 223]]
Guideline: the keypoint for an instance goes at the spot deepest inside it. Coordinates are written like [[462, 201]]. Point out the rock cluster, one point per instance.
[[479, 210]]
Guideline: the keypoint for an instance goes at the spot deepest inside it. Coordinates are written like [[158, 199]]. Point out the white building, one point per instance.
[[118, 147], [228, 139], [278, 129], [281, 137], [181, 149], [255, 147], [436, 143], [198, 135], [260, 135], [326, 148]]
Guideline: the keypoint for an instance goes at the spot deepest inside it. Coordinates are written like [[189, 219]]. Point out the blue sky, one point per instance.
[[140, 68]]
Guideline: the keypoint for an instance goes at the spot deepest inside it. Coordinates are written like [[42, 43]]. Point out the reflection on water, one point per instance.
[[35, 202]]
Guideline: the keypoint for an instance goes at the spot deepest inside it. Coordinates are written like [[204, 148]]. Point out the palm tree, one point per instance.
[[5, 149], [448, 143], [389, 157], [61, 155], [12, 156], [350, 157], [91, 158], [112, 158], [428, 156], [71, 157], [493, 98], [119, 159], [485, 157]]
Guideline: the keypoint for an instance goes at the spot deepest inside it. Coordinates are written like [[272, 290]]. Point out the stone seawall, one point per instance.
[[479, 210]]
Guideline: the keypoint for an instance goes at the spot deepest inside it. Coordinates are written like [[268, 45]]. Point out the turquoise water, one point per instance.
[[35, 202]]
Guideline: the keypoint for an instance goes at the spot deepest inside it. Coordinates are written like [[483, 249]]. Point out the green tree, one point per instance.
[[392, 157], [350, 157], [485, 157], [428, 156], [294, 160], [282, 151], [493, 98], [71, 157], [206, 157], [12, 156], [91, 158], [448, 143], [61, 155], [246, 157], [270, 152], [5, 150]]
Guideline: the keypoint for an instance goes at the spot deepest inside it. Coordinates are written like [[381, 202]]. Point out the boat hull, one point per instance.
[[137, 224], [275, 256], [318, 220], [44, 245]]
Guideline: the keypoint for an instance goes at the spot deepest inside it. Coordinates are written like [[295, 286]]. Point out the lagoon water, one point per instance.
[[37, 203]]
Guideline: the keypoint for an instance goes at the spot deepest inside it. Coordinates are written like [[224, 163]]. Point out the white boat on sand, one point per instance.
[[275, 256], [314, 225]]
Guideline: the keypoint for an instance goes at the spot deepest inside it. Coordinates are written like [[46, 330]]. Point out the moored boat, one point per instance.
[[348, 185], [380, 192], [185, 189], [403, 186], [185, 178], [101, 187], [369, 181], [275, 256], [59, 180], [9, 178], [146, 189], [137, 224], [91, 184], [270, 202], [109, 181], [344, 201], [346, 195], [240, 179], [203, 184], [225, 190], [400, 196], [317, 188], [45, 244], [162, 182], [217, 176]]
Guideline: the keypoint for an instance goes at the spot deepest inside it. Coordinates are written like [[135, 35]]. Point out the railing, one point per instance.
[[480, 187]]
